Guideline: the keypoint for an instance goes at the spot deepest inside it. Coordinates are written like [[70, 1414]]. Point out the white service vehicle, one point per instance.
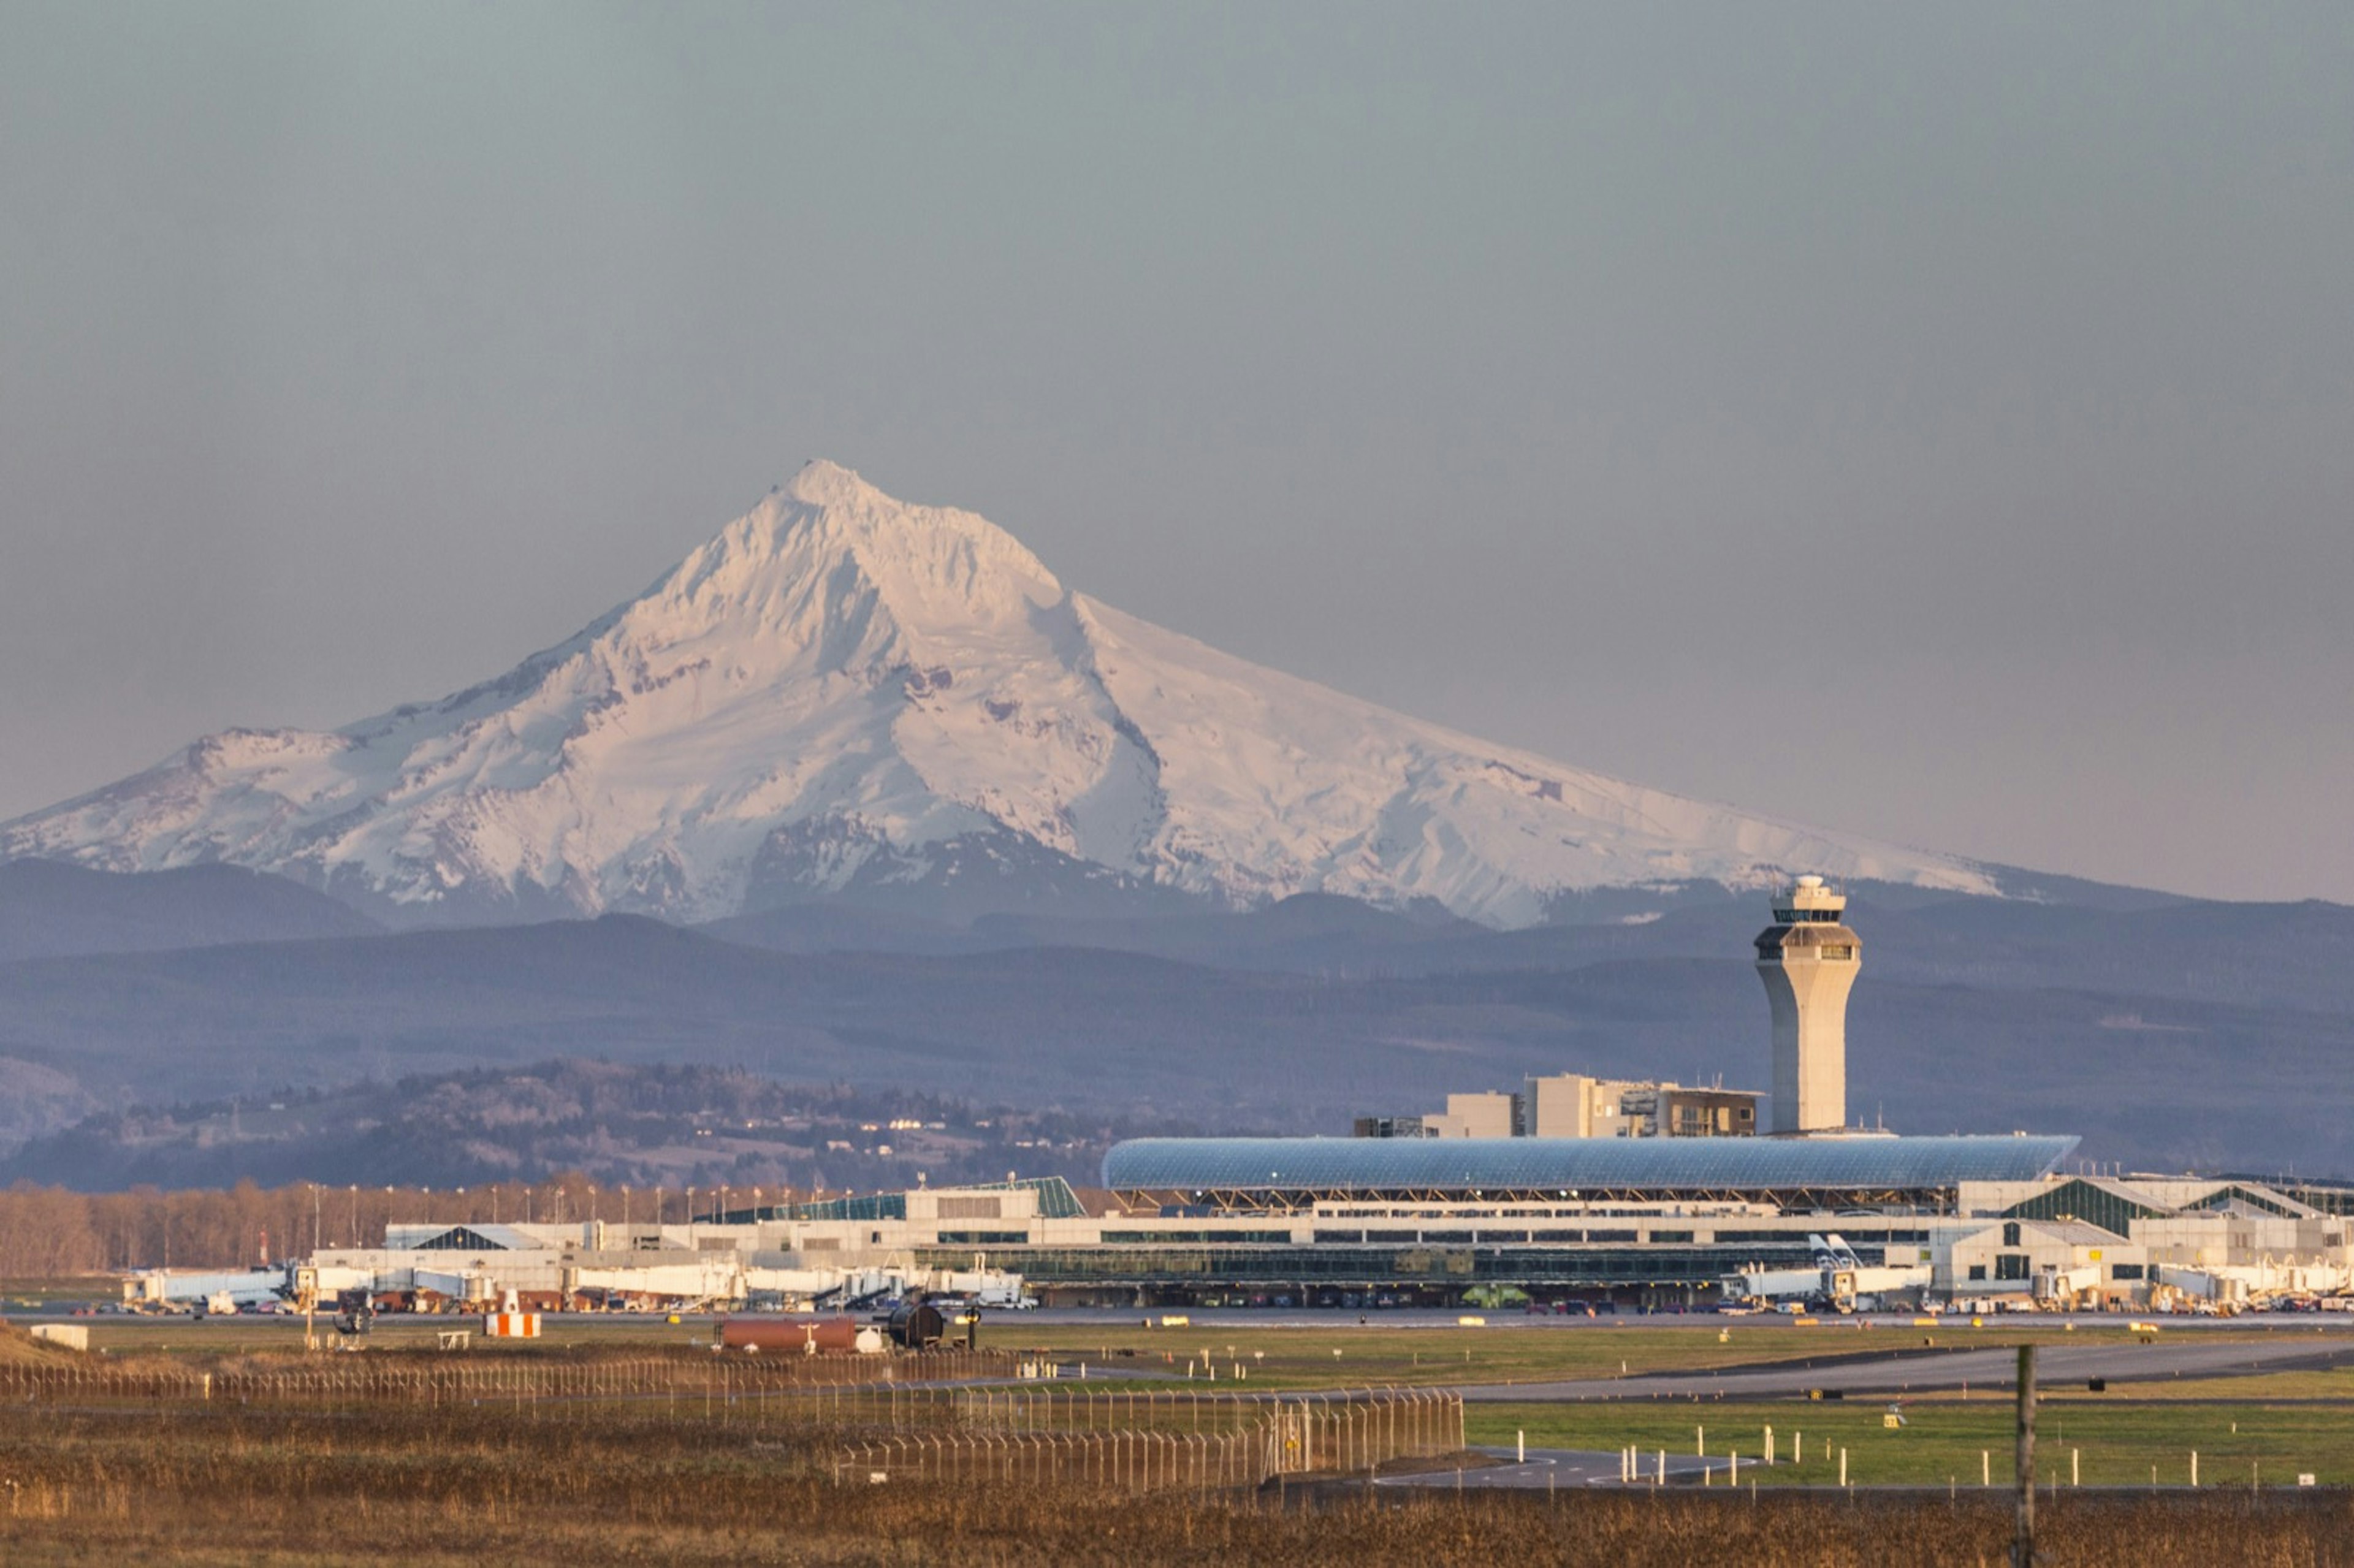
[[1839, 1280]]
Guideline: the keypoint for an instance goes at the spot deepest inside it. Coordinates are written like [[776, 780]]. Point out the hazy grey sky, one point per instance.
[[1931, 422]]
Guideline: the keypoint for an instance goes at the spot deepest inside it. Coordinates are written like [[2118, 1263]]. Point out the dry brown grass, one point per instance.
[[892, 1417], [423, 1488], [19, 1347]]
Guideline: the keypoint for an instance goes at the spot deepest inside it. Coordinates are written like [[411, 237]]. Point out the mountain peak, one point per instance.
[[822, 482], [832, 532], [842, 689]]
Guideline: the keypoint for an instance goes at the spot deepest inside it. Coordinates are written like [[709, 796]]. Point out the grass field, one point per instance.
[[2116, 1438], [1347, 1354], [183, 1336], [2336, 1385], [102, 1479], [251, 1487], [1952, 1443], [1341, 1355], [51, 1295]]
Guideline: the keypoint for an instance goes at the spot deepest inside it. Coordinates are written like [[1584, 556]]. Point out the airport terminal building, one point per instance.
[[1358, 1222], [1652, 1222]]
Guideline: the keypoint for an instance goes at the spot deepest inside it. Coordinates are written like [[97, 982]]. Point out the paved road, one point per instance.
[[1917, 1370], [1551, 1469], [1508, 1317], [1494, 1320]]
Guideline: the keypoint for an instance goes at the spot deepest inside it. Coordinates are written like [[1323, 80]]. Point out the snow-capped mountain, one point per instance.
[[845, 689]]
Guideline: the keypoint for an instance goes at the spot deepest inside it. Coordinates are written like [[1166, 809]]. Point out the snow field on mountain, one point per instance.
[[839, 676]]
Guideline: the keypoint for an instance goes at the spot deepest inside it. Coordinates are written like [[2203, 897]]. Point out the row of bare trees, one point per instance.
[[52, 1233]]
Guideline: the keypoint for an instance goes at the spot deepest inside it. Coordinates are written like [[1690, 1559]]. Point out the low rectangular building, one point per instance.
[[1572, 1105]]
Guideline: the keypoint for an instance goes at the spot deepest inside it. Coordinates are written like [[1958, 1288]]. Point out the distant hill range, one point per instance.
[[2173, 1034], [860, 793], [647, 1126], [49, 910]]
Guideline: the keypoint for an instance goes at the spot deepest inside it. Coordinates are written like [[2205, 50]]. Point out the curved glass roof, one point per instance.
[[1570, 1163]]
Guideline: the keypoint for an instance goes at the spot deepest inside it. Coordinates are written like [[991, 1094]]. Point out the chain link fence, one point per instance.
[[1149, 1441], [718, 1384], [933, 1416]]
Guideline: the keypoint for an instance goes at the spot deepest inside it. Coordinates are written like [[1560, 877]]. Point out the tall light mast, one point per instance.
[[1808, 959]]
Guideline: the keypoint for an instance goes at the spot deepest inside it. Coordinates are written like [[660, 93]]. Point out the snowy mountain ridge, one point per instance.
[[841, 688]]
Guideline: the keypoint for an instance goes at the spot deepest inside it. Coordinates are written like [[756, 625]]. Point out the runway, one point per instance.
[[1551, 1469], [2059, 1367]]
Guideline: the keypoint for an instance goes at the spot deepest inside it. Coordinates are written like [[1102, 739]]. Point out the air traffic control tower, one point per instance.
[[1808, 960]]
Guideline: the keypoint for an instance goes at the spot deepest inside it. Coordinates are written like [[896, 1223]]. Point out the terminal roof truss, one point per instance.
[[1056, 1201], [461, 1238], [1257, 1175]]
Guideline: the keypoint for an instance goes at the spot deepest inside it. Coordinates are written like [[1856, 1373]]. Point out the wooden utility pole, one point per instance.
[[2022, 1548]]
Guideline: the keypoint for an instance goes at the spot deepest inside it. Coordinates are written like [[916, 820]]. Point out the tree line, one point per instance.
[[52, 1233]]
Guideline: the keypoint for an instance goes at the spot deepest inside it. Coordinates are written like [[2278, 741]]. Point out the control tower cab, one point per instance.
[[1808, 959]]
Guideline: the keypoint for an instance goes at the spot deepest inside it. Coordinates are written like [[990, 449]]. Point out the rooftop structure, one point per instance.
[[1572, 1105]]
